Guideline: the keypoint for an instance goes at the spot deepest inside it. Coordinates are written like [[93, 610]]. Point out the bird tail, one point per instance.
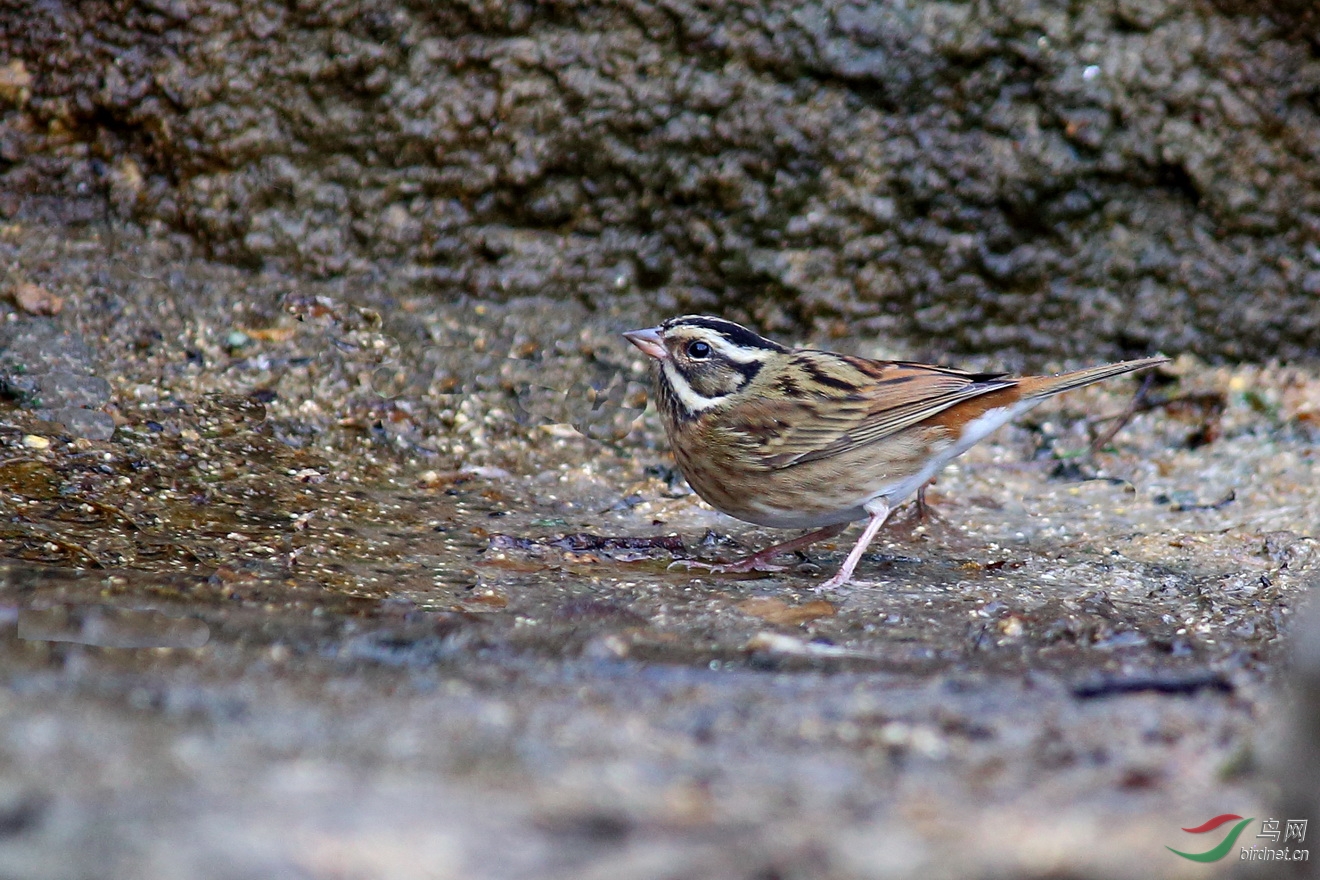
[[1044, 386]]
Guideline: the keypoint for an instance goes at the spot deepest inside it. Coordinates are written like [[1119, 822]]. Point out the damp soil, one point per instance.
[[325, 579]]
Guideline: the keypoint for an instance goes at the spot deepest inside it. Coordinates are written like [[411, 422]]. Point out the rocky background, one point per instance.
[[336, 534], [1008, 176]]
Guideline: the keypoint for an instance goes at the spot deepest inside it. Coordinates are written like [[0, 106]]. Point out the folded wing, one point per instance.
[[857, 402]]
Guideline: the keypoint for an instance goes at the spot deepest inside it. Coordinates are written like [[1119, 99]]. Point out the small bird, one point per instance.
[[807, 439]]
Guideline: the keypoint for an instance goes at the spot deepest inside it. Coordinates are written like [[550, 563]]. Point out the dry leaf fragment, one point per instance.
[[779, 611], [271, 334], [36, 300]]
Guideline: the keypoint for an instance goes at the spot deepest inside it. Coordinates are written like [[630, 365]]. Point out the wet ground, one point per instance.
[[322, 581]]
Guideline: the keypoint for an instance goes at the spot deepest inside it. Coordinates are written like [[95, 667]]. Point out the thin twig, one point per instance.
[[1125, 416]]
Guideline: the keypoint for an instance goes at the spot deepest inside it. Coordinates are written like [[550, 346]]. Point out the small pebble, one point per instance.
[[91, 424], [36, 441]]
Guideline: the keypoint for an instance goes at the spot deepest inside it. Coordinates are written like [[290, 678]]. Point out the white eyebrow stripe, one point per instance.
[[738, 354], [691, 400]]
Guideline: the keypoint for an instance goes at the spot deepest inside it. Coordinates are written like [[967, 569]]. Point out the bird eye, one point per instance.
[[698, 350]]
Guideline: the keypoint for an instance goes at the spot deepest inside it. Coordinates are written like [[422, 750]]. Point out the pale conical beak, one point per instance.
[[649, 342]]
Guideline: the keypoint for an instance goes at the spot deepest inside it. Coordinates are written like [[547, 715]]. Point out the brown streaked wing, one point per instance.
[[865, 402]]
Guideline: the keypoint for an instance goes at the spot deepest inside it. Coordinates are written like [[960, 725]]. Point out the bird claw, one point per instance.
[[832, 584]]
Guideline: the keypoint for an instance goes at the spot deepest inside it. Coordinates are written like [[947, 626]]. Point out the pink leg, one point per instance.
[[879, 511], [760, 561]]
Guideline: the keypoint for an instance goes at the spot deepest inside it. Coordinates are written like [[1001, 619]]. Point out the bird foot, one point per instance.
[[832, 584]]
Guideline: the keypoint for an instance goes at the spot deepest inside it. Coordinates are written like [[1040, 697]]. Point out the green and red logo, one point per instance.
[[1218, 852]]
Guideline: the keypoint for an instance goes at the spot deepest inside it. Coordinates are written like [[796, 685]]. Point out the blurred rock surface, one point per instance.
[[1113, 177]]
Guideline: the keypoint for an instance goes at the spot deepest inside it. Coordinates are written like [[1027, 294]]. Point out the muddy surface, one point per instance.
[[344, 592]]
